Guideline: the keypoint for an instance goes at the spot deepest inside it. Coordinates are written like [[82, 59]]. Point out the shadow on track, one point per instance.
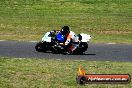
[[84, 54], [71, 54]]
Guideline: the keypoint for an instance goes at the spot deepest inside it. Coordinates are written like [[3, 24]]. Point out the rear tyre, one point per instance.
[[83, 46]]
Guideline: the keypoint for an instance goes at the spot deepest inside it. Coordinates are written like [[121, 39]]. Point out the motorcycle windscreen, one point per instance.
[[60, 38]]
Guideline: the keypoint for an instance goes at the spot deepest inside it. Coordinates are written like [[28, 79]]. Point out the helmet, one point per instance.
[[65, 30]]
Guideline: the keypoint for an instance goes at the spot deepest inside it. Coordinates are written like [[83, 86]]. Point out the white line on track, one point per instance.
[[37, 41], [33, 41], [25, 41], [110, 43], [2, 40], [79, 60]]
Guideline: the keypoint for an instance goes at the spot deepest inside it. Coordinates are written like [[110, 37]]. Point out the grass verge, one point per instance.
[[45, 73], [106, 20]]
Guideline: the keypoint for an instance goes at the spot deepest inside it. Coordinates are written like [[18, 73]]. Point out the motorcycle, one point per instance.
[[55, 44]]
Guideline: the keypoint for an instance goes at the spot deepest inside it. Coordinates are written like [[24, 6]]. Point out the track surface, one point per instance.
[[98, 52]]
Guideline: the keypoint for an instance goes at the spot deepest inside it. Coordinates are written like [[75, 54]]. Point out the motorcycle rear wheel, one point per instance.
[[81, 49]]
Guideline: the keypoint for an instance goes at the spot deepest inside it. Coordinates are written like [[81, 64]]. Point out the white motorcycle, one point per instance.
[[54, 44]]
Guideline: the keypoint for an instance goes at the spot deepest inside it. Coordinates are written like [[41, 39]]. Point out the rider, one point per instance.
[[69, 38]]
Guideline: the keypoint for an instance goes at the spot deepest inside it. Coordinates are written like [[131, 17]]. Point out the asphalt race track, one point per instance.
[[98, 52]]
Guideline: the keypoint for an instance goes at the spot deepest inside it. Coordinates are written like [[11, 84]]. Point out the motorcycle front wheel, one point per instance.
[[39, 47]]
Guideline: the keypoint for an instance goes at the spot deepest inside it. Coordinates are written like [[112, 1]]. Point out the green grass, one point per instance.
[[30, 19], [105, 20], [45, 73]]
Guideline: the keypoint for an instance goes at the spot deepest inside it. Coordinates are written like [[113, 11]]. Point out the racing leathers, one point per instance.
[[71, 42], [69, 37]]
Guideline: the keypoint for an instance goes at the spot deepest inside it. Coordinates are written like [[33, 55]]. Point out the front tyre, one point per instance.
[[39, 47]]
